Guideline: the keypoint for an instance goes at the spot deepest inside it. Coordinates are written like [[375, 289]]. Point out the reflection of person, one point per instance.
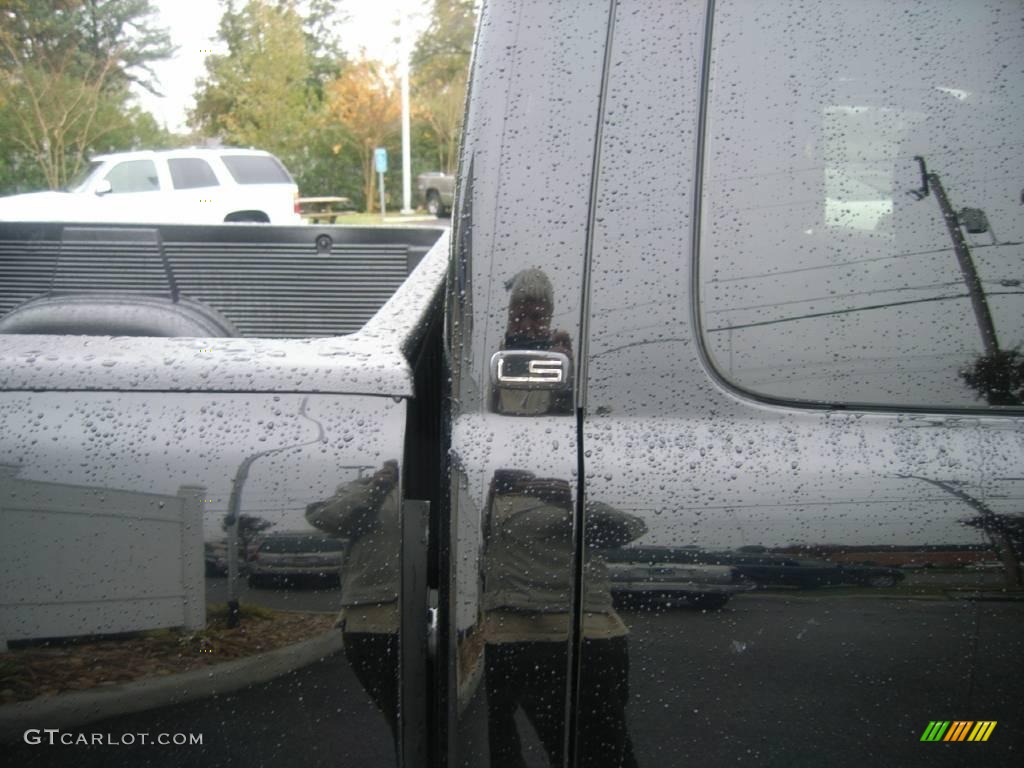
[[527, 596], [530, 309], [366, 512]]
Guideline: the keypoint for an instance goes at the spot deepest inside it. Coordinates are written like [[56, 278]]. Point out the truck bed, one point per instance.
[[268, 281]]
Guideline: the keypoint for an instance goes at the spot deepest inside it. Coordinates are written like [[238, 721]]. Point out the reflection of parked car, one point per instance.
[[774, 570], [288, 556], [666, 572], [180, 186], [216, 558]]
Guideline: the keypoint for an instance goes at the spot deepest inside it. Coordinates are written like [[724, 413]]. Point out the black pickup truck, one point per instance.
[[723, 277]]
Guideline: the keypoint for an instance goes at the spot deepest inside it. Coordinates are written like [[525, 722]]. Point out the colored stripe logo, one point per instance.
[[958, 730]]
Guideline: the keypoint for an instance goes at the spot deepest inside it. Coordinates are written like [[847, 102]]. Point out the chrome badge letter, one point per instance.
[[529, 369]]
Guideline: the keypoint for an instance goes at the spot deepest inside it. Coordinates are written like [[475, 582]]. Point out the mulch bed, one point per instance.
[[62, 666]]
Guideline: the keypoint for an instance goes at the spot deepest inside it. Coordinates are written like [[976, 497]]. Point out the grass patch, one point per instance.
[[391, 220]]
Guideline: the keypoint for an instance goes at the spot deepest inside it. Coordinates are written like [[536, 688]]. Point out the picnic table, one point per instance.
[[323, 210]]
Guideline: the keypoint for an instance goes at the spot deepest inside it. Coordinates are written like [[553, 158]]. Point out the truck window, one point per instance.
[[133, 176], [190, 173], [255, 169], [78, 181], [827, 269]]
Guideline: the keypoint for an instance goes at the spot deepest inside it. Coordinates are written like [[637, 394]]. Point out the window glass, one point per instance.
[[133, 176], [862, 226], [191, 172], [256, 169], [79, 180]]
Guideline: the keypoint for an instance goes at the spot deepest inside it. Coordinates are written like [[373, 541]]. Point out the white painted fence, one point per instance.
[[80, 560]]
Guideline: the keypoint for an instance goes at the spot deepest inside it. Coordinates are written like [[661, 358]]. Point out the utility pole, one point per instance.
[[979, 302]]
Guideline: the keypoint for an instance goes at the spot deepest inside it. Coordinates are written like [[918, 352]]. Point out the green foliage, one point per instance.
[[323, 48], [258, 93], [364, 102], [267, 90], [76, 34], [443, 50], [440, 68], [999, 377], [65, 68]]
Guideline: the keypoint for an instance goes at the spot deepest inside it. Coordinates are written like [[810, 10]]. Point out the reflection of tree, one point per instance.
[[249, 526], [1006, 532], [999, 377]]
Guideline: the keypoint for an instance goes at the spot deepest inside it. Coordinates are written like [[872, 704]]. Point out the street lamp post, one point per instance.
[[234, 509], [403, 68]]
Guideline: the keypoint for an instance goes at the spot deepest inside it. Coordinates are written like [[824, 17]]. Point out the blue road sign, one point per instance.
[[380, 159]]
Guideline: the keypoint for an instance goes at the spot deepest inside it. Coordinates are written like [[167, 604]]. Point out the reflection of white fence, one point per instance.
[[80, 560]]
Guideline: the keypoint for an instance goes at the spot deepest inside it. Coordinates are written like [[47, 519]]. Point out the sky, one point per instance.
[[193, 23]]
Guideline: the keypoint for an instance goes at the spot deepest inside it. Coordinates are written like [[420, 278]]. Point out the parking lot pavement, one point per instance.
[[765, 681]]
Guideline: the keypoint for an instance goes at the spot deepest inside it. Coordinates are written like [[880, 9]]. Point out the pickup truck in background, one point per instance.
[[437, 191], [700, 295]]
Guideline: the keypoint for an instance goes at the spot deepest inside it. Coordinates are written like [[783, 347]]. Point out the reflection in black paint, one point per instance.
[[365, 511], [526, 623]]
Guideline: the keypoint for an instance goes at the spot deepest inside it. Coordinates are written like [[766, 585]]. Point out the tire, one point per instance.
[[247, 217], [434, 205], [255, 582], [709, 602]]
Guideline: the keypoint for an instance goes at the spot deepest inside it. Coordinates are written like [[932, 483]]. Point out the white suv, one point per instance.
[[180, 186]]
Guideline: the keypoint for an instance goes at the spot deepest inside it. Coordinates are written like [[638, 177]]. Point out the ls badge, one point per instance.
[[530, 369]]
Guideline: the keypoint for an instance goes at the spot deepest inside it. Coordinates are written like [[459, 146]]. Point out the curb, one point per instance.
[[69, 710]]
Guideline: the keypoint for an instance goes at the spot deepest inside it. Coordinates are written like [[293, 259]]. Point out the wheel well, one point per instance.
[[255, 217]]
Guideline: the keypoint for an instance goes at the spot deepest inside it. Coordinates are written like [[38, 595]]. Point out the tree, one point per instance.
[[258, 94], [65, 68], [445, 46], [440, 104], [249, 527], [999, 377], [440, 68], [1007, 534], [365, 102], [1005, 531], [323, 48]]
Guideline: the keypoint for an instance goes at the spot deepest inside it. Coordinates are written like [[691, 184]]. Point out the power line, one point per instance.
[[853, 310], [854, 262], [931, 286]]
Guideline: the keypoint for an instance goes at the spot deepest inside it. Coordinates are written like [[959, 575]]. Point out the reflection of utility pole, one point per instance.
[[234, 503], [979, 302], [992, 524]]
